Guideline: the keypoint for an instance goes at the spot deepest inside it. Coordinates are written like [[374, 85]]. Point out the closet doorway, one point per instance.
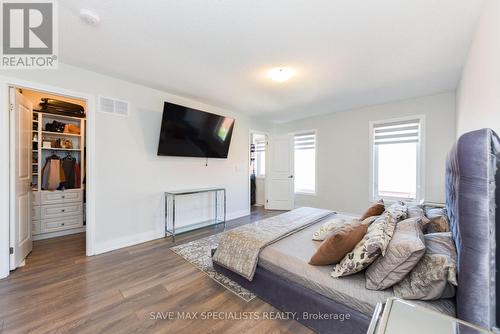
[[258, 155], [48, 153]]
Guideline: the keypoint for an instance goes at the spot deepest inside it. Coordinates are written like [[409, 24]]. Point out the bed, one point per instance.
[[284, 279]]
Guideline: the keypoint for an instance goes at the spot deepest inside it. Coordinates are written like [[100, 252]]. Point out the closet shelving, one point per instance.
[[60, 134], [56, 211], [39, 135], [34, 150], [59, 149]]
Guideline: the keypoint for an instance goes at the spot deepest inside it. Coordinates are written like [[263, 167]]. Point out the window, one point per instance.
[[259, 163], [305, 162], [396, 159]]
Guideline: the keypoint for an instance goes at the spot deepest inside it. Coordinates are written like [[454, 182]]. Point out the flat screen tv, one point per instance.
[[188, 132]]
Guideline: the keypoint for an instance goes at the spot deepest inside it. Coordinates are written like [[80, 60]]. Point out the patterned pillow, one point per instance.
[[379, 241], [328, 228], [359, 258], [399, 210], [374, 242], [435, 276], [370, 220], [437, 220]]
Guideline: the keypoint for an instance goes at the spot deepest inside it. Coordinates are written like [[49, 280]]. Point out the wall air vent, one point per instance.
[[113, 106]]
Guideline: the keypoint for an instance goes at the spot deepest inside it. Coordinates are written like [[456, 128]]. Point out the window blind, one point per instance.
[[397, 132], [305, 141]]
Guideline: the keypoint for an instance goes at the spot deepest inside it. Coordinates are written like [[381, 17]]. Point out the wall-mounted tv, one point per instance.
[[188, 132]]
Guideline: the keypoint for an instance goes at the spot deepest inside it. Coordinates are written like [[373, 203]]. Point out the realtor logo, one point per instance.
[[29, 34]]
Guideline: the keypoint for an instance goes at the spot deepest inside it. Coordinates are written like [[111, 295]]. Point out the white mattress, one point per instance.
[[289, 258]]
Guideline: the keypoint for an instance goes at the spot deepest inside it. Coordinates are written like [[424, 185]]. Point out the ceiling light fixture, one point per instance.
[[281, 74], [89, 17]]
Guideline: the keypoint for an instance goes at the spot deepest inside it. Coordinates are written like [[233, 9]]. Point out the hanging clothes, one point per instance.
[[78, 175], [60, 174], [51, 173], [45, 175], [68, 166]]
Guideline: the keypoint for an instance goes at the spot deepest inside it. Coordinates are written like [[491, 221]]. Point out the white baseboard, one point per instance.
[[126, 241], [59, 233], [114, 244], [237, 214]]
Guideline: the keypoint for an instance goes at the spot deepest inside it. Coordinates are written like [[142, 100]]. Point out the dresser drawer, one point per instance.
[[35, 198], [59, 224], [36, 213], [36, 227], [61, 210], [63, 196], [71, 196]]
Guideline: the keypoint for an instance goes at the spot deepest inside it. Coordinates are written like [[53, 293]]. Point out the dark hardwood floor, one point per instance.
[[60, 290]]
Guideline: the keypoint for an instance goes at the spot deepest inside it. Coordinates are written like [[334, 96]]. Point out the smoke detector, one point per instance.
[[89, 17]]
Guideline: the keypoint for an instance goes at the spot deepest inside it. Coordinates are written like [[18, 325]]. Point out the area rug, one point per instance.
[[198, 253]]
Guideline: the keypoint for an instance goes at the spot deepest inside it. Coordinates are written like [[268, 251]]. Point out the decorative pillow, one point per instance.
[[370, 220], [373, 243], [338, 244], [376, 209], [328, 228], [415, 211], [398, 210], [432, 211], [437, 221], [435, 276], [406, 248], [380, 241]]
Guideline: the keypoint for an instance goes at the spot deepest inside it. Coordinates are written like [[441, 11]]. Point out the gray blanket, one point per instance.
[[239, 248]]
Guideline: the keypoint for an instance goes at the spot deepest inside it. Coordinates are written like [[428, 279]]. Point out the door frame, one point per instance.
[[5, 191], [257, 132]]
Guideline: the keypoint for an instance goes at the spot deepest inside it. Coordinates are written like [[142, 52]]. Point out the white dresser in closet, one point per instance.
[[55, 211]]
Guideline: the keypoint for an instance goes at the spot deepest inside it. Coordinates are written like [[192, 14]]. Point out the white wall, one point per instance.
[[478, 95], [130, 178], [343, 150]]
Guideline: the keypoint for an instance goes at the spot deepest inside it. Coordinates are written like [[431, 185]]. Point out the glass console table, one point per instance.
[[403, 316], [219, 199]]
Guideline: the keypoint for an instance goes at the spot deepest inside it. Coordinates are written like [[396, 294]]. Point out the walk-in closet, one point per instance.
[[57, 164]]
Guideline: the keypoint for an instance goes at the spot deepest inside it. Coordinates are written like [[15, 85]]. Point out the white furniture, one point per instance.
[[39, 152], [170, 207], [402, 316], [57, 212]]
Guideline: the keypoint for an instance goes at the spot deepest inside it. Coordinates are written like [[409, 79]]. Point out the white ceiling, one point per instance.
[[347, 53]]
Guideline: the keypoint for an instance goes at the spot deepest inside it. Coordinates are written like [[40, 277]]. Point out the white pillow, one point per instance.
[[328, 228]]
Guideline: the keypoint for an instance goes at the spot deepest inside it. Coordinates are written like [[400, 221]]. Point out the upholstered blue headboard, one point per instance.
[[472, 200]]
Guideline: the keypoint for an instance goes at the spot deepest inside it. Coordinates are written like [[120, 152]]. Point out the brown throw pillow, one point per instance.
[[376, 209], [337, 245]]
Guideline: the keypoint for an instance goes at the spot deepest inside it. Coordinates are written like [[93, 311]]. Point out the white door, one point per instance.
[[279, 180], [21, 113]]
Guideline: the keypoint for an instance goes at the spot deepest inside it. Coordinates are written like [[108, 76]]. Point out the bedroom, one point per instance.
[[351, 68]]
